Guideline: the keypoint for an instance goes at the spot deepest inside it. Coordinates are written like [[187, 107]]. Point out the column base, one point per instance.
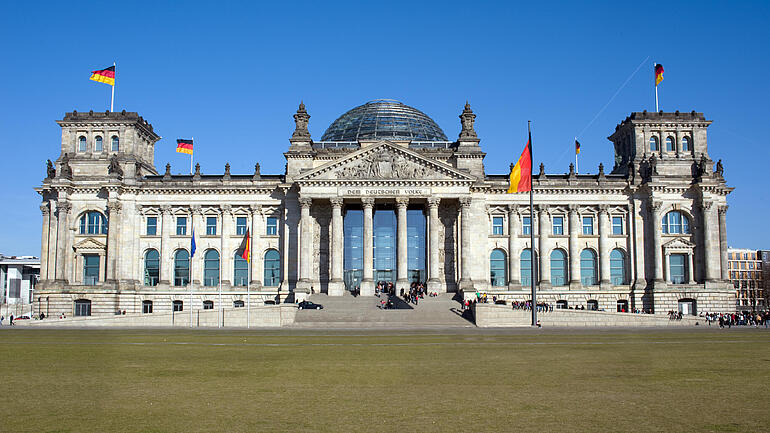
[[367, 287], [605, 285], [575, 285], [336, 288], [434, 285], [402, 283], [466, 285], [544, 285], [660, 284]]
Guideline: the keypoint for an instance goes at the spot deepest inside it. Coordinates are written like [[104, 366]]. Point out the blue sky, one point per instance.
[[231, 74]]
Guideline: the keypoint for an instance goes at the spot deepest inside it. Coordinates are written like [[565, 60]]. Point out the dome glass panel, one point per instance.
[[384, 119]]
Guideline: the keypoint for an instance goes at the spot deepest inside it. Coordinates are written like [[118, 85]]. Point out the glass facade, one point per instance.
[[497, 268], [617, 267], [558, 268], [272, 268], [384, 232], [678, 268], [353, 228], [151, 267], [588, 267], [90, 269], [415, 245], [211, 268]]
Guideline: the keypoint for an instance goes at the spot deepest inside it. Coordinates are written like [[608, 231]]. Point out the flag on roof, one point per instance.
[[658, 74], [106, 75], [521, 173], [184, 145]]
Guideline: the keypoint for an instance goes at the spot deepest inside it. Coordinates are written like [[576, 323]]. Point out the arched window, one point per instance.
[[208, 305], [558, 267], [146, 307], [588, 267], [82, 307], [211, 268], [675, 223], [177, 305], [115, 143], [525, 261], [497, 268], [618, 267], [82, 147], [98, 147], [181, 268], [151, 267], [592, 305], [669, 144], [240, 271], [685, 144], [653, 144], [272, 268], [93, 223]]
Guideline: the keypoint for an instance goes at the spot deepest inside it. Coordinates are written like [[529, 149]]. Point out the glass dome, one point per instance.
[[384, 119]]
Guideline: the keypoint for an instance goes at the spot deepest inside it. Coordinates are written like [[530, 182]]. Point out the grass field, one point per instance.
[[526, 380]]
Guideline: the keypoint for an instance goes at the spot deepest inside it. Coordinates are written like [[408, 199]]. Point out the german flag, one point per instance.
[[244, 251], [521, 173], [577, 147], [658, 74], [184, 145], [106, 76]]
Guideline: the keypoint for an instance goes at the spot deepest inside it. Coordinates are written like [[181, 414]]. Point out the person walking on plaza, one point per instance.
[[10, 320]]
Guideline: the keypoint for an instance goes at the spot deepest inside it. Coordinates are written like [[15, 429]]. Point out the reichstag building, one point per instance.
[[383, 195]]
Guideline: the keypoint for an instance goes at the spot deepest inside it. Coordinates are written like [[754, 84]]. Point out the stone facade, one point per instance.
[[600, 238]]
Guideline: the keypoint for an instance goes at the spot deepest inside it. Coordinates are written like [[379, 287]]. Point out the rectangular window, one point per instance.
[[272, 226], [678, 268], [90, 269], [497, 225], [146, 307], [152, 226], [181, 226], [240, 225], [558, 225], [211, 226], [526, 225], [588, 225], [617, 225]]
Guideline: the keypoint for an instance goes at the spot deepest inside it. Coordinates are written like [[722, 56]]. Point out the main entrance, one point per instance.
[[384, 244]]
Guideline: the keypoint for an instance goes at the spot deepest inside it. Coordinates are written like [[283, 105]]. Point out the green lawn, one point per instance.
[[254, 381]]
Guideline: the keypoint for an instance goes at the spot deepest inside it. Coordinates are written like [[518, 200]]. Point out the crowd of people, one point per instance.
[[742, 318]]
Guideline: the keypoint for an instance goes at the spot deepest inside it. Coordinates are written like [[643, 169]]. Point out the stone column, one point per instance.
[[226, 269], [657, 243], [44, 241], [604, 246], [514, 266], [367, 283], [63, 208], [690, 261], [166, 253], [668, 268], [306, 244], [710, 257], [52, 241], [544, 227], [723, 242], [434, 282], [574, 253], [113, 249], [466, 282], [337, 285], [402, 280], [257, 231]]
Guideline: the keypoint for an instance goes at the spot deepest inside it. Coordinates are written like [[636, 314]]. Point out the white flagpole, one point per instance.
[[191, 155], [656, 86], [248, 285], [222, 249], [112, 99]]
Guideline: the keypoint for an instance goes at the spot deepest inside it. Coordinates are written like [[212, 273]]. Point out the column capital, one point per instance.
[[573, 208], [402, 202], [542, 208], [465, 201], [63, 207], [226, 208], [723, 209], [604, 209], [706, 205], [367, 202], [336, 202], [513, 208], [114, 207], [433, 201], [305, 202], [139, 209], [654, 206], [45, 209], [196, 209], [255, 209], [165, 209]]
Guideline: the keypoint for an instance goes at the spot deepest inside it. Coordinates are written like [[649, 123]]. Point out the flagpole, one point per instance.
[[192, 254], [222, 249], [112, 99], [532, 228], [656, 86], [248, 284], [191, 155]]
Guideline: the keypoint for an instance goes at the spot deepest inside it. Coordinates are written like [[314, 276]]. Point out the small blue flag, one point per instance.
[[192, 243]]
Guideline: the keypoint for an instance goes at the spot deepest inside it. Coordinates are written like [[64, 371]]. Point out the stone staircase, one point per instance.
[[365, 312]]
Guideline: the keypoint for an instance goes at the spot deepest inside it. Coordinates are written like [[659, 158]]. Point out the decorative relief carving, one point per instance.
[[513, 209], [723, 210], [573, 208], [386, 163], [196, 209], [114, 207], [256, 209], [165, 209], [433, 201], [465, 202], [604, 208], [63, 207], [44, 209], [226, 208]]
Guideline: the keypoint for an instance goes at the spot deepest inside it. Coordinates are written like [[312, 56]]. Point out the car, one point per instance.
[[307, 305]]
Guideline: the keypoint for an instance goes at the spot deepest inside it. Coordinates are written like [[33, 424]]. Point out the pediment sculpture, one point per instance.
[[384, 163]]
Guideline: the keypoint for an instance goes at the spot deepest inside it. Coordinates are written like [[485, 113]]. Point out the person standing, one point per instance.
[[10, 320]]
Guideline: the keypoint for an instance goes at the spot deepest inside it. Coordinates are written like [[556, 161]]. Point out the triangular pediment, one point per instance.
[[679, 243], [89, 244], [385, 161]]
